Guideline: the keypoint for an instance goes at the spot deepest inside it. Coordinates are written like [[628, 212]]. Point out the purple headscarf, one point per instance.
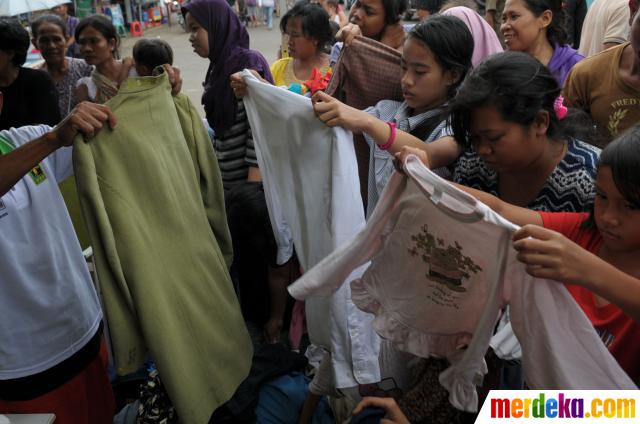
[[229, 53]]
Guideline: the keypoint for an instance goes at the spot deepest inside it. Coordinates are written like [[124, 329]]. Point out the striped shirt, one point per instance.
[[235, 150], [380, 161], [569, 188]]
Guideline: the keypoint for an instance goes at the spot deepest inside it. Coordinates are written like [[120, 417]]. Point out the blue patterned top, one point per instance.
[[569, 188]]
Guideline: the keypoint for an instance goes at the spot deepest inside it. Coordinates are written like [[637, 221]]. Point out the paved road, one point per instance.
[[192, 66]]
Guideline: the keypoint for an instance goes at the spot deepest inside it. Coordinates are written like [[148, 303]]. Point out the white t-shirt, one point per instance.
[[442, 266], [607, 21], [48, 308]]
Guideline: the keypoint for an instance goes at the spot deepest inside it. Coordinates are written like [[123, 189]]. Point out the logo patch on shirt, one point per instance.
[[37, 173]]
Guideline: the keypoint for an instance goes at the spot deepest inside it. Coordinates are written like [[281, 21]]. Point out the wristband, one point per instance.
[[392, 137]]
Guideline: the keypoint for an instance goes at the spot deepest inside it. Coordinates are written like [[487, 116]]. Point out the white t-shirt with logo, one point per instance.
[[48, 308]]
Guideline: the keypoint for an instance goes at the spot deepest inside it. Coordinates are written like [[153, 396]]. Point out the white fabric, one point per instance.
[[48, 305], [442, 267], [311, 182], [505, 343], [607, 21]]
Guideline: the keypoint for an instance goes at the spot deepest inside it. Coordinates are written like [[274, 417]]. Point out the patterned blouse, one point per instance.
[[66, 87], [569, 188]]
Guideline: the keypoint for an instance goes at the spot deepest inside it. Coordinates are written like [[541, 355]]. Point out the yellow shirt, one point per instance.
[[282, 72]]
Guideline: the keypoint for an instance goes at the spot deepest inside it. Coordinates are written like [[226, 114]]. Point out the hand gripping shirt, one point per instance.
[[48, 307], [442, 266], [311, 187]]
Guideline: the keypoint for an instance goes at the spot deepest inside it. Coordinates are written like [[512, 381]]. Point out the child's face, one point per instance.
[[198, 37], [617, 219], [300, 46], [369, 16], [424, 83]]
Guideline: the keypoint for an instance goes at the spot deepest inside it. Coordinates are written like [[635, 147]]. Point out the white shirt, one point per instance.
[[442, 267], [311, 183], [49, 308]]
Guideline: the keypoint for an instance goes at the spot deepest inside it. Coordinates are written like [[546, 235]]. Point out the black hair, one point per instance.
[[519, 87], [14, 39], [556, 32], [432, 6], [48, 19], [314, 21], [622, 157], [451, 43], [103, 25], [152, 52], [393, 10]]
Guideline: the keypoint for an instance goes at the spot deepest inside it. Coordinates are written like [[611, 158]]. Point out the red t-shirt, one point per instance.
[[618, 331]]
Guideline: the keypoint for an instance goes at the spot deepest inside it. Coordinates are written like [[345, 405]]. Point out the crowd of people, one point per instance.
[[530, 106]]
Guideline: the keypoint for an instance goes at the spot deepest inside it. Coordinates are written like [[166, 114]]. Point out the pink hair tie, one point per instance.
[[560, 109]]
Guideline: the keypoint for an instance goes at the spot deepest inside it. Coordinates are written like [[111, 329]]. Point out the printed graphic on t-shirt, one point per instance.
[[447, 265], [606, 336], [620, 109]]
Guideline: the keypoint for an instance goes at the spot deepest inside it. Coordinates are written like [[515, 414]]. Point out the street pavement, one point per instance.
[[192, 67]]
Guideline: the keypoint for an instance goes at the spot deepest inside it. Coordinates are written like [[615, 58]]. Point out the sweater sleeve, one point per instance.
[[206, 165]]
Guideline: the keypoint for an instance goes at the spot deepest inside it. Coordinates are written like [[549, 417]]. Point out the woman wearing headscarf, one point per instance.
[[485, 40], [216, 33]]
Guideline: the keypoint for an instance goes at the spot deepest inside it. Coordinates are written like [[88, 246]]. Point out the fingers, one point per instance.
[[237, 77], [239, 85], [348, 33], [375, 402], [89, 118], [534, 231], [321, 96], [174, 78]]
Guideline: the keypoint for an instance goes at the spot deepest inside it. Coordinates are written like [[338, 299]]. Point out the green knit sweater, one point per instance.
[[152, 199]]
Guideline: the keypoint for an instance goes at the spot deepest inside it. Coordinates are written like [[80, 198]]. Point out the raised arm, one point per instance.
[[87, 118], [549, 254], [334, 113]]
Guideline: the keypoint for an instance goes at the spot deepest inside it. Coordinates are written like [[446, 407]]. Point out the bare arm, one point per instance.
[[14, 165], [548, 254], [332, 112], [87, 118]]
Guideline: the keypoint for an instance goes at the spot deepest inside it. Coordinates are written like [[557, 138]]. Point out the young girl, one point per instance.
[[514, 139], [309, 35], [596, 254], [216, 33], [99, 41], [536, 27], [435, 59]]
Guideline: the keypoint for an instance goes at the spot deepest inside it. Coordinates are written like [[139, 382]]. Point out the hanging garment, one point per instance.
[[311, 184], [442, 267], [366, 73], [152, 198]]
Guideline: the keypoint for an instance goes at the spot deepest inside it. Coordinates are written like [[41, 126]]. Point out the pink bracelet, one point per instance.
[[392, 137]]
